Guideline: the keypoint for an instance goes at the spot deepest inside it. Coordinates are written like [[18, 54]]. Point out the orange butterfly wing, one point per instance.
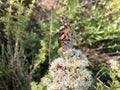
[[67, 36]]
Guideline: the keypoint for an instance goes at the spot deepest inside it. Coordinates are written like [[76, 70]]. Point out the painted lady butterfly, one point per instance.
[[67, 35]]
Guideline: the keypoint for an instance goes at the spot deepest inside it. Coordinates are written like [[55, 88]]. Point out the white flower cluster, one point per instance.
[[115, 65], [69, 73]]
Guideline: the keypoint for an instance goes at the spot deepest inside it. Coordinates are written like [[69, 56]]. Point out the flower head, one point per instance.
[[69, 73]]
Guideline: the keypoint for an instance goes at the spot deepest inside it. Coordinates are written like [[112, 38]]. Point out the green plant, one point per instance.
[[14, 75]]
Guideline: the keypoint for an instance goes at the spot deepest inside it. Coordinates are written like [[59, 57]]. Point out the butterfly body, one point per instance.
[[67, 35]]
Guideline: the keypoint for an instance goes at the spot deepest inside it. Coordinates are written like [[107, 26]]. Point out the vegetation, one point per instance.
[[29, 40]]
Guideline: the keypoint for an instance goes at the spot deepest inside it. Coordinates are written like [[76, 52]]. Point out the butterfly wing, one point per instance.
[[69, 40], [67, 35]]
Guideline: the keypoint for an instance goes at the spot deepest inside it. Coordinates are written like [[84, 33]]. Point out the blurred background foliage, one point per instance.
[[29, 31]]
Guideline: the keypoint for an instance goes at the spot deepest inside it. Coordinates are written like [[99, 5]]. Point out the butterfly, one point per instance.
[[67, 35]]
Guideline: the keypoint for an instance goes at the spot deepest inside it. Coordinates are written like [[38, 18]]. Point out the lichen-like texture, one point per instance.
[[69, 72]]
